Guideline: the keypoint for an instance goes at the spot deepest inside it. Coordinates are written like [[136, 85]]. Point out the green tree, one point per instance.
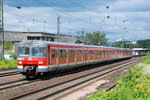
[[13, 55], [118, 44], [143, 43], [95, 38], [8, 45], [124, 44]]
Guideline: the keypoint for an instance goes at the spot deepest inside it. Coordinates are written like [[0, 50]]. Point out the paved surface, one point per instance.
[[8, 71], [84, 91]]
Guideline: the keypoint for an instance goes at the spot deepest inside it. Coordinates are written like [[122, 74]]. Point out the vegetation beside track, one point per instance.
[[5, 64], [134, 86]]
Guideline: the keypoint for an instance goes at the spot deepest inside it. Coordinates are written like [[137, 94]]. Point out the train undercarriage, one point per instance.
[[30, 70]]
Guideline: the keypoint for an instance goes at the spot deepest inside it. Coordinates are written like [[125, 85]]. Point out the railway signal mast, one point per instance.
[[58, 27], [1, 30]]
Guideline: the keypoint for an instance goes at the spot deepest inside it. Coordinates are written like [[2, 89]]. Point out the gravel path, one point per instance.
[[146, 69], [84, 91], [11, 78]]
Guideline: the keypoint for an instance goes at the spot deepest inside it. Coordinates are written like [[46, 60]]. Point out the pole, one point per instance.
[[58, 27], [122, 41], [82, 35], [44, 25], [2, 29]]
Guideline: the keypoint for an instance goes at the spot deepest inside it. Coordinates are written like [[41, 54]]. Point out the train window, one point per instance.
[[94, 53], [111, 52], [53, 53], [104, 53], [72, 53], [91, 53], [56, 53], [99, 53], [87, 52], [84, 53], [24, 51], [63, 53], [79, 53], [38, 51]]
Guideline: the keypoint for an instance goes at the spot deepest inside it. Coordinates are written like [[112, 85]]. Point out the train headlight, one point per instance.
[[20, 62], [40, 62]]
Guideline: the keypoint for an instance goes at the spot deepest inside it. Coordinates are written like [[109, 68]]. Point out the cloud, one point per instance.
[[131, 5], [74, 18]]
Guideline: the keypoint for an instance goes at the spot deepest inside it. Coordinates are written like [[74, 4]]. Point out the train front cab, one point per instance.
[[32, 59]]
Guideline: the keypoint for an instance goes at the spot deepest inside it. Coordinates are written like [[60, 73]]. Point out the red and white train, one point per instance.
[[37, 56]]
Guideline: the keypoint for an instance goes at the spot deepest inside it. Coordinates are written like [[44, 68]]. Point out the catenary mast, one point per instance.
[[1, 30]]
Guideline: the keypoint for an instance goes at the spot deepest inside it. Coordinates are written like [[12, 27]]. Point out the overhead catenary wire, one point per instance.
[[23, 17], [83, 7], [34, 19], [89, 9], [61, 11]]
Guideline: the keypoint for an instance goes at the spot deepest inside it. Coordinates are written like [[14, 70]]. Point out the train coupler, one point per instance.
[[30, 70]]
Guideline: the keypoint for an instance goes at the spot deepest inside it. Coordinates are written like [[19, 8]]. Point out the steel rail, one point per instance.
[[13, 84], [69, 87], [16, 83], [8, 73], [2, 84], [85, 79]]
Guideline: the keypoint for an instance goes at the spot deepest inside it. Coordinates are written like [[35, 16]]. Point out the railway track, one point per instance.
[[13, 84], [16, 83], [53, 91], [8, 73]]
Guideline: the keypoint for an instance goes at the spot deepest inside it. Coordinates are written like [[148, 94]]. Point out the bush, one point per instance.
[[134, 86], [146, 59], [4, 64]]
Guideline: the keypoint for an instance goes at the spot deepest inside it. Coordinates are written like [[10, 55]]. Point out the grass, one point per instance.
[[5, 64], [134, 86]]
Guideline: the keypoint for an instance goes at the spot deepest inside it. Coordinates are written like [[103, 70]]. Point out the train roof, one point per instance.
[[44, 43]]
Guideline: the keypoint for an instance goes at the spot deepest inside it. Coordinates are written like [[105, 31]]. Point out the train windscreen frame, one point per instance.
[[24, 51], [32, 51]]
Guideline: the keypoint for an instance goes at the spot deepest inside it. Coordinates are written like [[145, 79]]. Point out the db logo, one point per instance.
[[29, 58]]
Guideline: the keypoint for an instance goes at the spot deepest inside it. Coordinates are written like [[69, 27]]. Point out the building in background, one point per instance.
[[40, 36], [141, 51], [68, 38], [15, 37]]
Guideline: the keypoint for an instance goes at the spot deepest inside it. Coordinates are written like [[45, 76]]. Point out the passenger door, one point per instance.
[[62, 56], [53, 57], [85, 55], [71, 57]]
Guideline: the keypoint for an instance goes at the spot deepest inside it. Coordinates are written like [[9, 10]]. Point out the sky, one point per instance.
[[128, 19]]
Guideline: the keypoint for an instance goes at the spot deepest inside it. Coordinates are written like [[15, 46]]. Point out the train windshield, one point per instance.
[[38, 51], [24, 51]]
